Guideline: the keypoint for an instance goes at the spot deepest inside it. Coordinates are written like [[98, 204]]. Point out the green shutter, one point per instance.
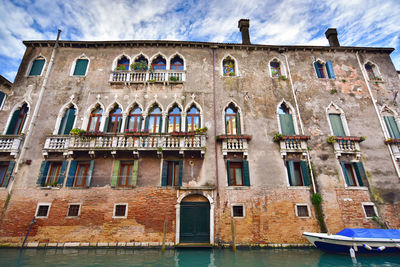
[[61, 129], [391, 125], [115, 173], [61, 176], [119, 125], [360, 172], [13, 121], [228, 166], [337, 126], [238, 128], [345, 173], [70, 121], [146, 123], [37, 67], [329, 69], [226, 126], [287, 126], [2, 97], [90, 173], [160, 130], [44, 168], [164, 173], [317, 70], [305, 173], [246, 173], [71, 173], [80, 67], [106, 130], [135, 172], [8, 173], [180, 172], [290, 171]]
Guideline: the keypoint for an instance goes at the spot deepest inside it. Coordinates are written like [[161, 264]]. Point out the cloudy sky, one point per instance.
[[285, 22]]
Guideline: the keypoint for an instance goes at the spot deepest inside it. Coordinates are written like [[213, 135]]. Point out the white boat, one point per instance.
[[360, 239]]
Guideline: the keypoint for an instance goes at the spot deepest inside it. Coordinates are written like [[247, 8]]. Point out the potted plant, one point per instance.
[[120, 67], [140, 66]]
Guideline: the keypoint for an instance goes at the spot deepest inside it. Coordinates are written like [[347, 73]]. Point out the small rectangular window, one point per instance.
[[80, 67], [37, 67], [120, 210], [238, 211], [370, 210], [302, 210], [73, 210], [42, 210]]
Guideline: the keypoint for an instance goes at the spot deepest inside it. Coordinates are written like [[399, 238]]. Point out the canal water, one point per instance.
[[185, 257]]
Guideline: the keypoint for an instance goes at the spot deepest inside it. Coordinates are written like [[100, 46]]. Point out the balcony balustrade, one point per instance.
[[292, 144], [395, 146], [10, 144], [347, 145], [170, 76], [234, 143], [119, 142]]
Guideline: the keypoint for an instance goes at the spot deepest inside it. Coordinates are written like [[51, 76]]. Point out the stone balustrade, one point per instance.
[[171, 76], [10, 144], [347, 145]]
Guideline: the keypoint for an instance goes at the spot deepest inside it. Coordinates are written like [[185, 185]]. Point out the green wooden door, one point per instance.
[[195, 222]]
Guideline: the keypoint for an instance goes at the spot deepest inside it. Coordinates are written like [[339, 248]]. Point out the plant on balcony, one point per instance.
[[137, 132], [392, 141], [202, 130], [141, 65], [277, 137], [282, 78], [77, 132], [92, 133], [232, 74], [159, 149], [226, 136], [174, 79], [151, 81], [331, 140], [121, 67]]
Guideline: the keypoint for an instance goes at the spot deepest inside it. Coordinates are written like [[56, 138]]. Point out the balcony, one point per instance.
[[292, 144], [234, 143], [346, 145], [156, 76], [395, 145], [67, 144], [10, 144]]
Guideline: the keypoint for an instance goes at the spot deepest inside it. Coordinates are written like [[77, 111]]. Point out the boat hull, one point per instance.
[[340, 244]]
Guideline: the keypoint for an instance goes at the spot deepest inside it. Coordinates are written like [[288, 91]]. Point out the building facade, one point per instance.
[[136, 142]]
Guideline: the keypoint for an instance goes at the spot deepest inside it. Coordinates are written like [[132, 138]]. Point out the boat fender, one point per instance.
[[355, 247], [352, 253], [381, 248], [367, 247]]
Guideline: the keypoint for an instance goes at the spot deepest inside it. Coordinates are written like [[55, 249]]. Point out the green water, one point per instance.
[[185, 257]]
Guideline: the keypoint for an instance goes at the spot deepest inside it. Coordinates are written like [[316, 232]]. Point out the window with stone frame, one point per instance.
[[172, 172], [74, 210], [154, 120], [238, 211], [298, 173], [232, 120], [336, 124], [174, 120], [192, 119], [372, 71], [95, 119], [286, 120], [177, 63], [354, 173], [80, 173], [159, 63], [81, 65], [391, 125], [275, 67], [324, 70], [120, 211], [134, 119], [238, 172], [52, 173], [17, 121], [228, 67], [141, 63], [114, 120], [67, 121], [123, 63], [42, 210], [302, 210], [37, 67], [369, 210]]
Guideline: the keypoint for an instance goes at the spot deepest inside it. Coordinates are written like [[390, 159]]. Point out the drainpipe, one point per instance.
[[300, 121], [379, 116], [213, 48], [36, 110]]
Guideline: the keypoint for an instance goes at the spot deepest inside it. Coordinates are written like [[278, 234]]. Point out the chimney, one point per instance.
[[331, 35], [244, 25]]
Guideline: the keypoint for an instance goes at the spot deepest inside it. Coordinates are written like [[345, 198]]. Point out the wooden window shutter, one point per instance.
[[146, 123], [119, 125], [37, 67], [71, 173], [329, 70], [290, 171], [135, 172], [2, 96], [106, 125], [90, 173], [61, 176], [160, 129], [8, 173], [70, 121], [337, 125], [80, 67], [164, 173], [345, 173], [246, 173], [228, 170], [180, 172], [317, 70], [305, 173], [226, 126], [287, 126], [360, 172], [115, 173], [238, 126], [13, 121], [391, 125], [61, 129], [44, 168]]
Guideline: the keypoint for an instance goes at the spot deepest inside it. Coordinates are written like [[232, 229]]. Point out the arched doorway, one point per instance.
[[194, 219]]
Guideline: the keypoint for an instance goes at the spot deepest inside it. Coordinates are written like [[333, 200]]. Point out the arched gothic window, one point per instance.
[[372, 71], [286, 120], [232, 120], [159, 63], [67, 122], [275, 66], [123, 63], [177, 63], [228, 65], [154, 120], [141, 63], [18, 120], [174, 120], [134, 120], [192, 119], [114, 120], [95, 119]]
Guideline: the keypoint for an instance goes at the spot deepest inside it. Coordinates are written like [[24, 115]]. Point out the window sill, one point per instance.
[[363, 188], [240, 187], [50, 188], [119, 217], [304, 217], [72, 217], [123, 188], [298, 187], [83, 187]]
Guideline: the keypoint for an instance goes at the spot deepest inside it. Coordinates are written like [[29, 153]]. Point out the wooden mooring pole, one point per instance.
[[165, 236], [233, 235]]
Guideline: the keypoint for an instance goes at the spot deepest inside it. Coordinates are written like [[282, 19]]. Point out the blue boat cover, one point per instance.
[[370, 233]]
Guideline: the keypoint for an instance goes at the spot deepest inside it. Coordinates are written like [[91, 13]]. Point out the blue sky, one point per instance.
[[286, 22]]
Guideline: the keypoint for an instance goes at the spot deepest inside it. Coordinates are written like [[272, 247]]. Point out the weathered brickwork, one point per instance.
[[242, 165]]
